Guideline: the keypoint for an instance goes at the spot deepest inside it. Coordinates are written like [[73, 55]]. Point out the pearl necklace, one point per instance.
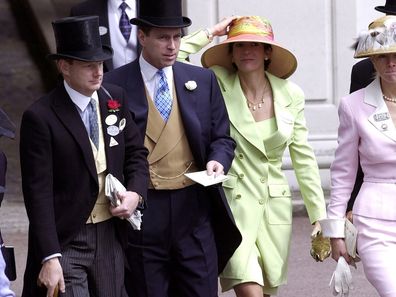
[[390, 99]]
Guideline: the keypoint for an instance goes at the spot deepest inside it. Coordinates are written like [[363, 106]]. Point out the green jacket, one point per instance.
[[257, 188]]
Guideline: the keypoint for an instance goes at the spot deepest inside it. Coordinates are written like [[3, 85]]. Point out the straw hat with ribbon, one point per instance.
[[380, 38], [251, 29]]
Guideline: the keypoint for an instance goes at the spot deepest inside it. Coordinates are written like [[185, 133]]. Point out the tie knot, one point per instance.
[[123, 6], [161, 73]]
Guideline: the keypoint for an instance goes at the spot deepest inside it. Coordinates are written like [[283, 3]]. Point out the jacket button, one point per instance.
[[262, 180], [241, 175], [261, 201], [240, 156], [238, 196]]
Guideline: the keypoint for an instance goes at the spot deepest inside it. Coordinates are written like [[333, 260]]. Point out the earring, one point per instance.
[[266, 59]]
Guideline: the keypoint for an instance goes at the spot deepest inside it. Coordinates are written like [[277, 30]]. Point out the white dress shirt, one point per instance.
[[150, 78], [81, 101], [123, 52]]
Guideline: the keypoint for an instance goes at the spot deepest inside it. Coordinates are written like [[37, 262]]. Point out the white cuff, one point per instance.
[[334, 228], [57, 255]]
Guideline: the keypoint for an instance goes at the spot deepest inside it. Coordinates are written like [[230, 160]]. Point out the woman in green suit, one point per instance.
[[267, 117]]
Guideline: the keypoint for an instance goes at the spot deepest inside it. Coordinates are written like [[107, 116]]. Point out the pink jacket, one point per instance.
[[367, 132]]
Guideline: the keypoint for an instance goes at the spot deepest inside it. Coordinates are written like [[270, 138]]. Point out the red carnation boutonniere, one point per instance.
[[113, 105]]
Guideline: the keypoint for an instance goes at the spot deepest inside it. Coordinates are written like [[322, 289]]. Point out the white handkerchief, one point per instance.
[[112, 187], [204, 179]]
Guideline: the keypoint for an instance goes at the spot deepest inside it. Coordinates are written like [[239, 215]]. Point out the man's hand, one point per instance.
[[128, 203], [51, 276], [214, 167]]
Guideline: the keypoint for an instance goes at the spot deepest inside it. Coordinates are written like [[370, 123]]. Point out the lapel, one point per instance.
[[187, 101], [283, 112], [104, 113], [67, 113], [239, 114], [136, 91], [380, 118], [243, 121]]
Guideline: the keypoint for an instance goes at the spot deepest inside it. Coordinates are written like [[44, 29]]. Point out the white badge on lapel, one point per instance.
[[113, 142], [102, 30], [111, 119], [113, 130], [122, 124]]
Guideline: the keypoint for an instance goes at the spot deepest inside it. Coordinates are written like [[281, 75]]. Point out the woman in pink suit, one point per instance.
[[367, 131]]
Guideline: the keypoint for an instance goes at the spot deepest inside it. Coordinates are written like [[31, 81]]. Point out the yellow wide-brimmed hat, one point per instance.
[[380, 38], [251, 29]]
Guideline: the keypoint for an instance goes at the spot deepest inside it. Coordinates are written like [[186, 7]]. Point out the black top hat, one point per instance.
[[388, 8], [161, 14], [78, 38]]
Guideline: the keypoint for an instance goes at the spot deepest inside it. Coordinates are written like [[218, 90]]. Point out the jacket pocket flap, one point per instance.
[[279, 191]]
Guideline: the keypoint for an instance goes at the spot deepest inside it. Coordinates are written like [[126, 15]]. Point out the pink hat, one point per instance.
[[251, 29]]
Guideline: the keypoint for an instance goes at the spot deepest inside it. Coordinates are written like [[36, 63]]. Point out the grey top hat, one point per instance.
[[78, 38], [161, 14]]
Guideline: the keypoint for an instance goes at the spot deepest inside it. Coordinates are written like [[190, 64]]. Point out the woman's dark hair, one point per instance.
[[267, 47]]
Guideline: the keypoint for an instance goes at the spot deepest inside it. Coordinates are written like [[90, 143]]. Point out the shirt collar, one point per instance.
[[80, 100], [149, 71]]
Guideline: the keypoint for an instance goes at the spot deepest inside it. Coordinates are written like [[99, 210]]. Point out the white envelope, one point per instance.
[[350, 238], [112, 187], [204, 179]]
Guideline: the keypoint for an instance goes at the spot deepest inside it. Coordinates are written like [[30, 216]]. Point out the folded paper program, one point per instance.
[[114, 186], [204, 179]]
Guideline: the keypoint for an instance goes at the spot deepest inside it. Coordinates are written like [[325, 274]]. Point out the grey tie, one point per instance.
[[93, 123]]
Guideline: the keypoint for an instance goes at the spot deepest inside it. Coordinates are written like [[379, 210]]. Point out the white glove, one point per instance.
[[341, 280]]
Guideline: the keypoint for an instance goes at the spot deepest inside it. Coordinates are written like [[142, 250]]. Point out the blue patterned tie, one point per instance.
[[125, 25], [93, 123], [163, 100]]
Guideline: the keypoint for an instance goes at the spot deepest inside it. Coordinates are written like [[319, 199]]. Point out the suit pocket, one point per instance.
[[280, 204]]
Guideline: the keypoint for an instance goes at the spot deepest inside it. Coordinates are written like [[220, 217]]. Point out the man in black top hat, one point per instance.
[[70, 140], [188, 231], [362, 74]]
